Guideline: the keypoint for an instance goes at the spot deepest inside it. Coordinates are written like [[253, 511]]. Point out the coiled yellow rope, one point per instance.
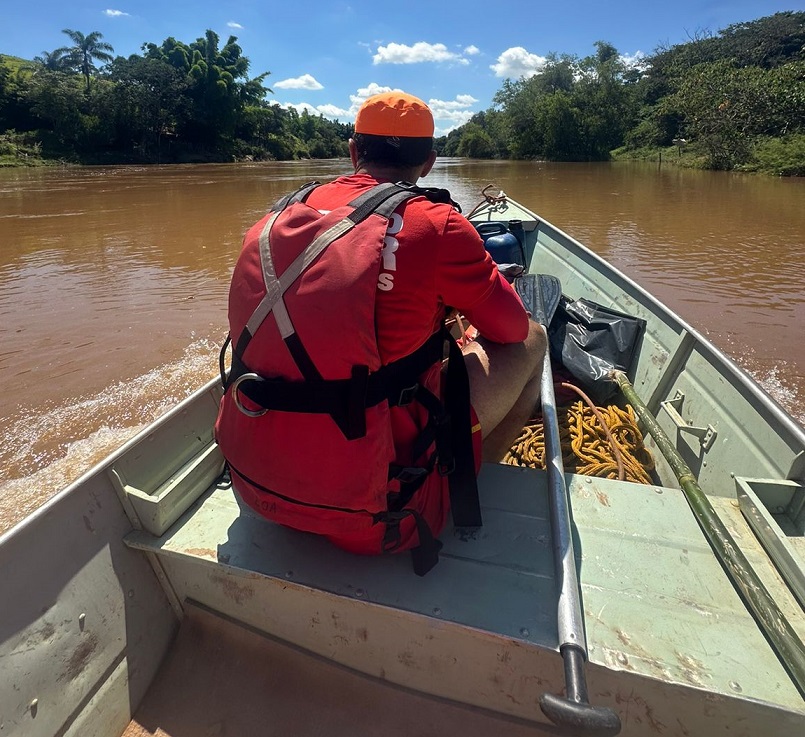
[[586, 448]]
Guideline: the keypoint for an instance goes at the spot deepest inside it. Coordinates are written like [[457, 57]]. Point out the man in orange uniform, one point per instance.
[[432, 260]]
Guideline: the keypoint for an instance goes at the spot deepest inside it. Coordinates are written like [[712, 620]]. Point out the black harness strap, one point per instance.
[[464, 499], [392, 382], [426, 555], [299, 196]]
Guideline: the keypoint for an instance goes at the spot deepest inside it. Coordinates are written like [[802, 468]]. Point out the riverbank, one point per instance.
[[22, 149], [780, 157]]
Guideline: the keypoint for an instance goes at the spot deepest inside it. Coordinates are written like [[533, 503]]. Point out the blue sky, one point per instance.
[[331, 55]]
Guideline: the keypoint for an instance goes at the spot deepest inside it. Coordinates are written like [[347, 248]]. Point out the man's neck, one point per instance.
[[390, 173]]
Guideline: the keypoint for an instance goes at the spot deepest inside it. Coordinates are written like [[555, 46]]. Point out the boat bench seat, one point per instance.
[[656, 603]]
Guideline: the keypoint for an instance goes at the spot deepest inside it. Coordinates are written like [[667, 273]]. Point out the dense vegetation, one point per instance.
[[173, 102], [730, 100], [733, 100]]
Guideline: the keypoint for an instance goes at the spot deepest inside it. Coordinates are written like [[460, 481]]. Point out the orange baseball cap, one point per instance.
[[395, 114]]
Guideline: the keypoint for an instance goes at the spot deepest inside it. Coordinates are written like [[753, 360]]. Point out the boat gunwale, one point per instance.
[[742, 376], [109, 460]]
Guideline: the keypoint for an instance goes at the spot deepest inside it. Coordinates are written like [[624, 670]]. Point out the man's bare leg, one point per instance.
[[504, 387]]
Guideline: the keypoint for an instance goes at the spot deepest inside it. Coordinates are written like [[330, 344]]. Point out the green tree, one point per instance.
[[56, 100], [519, 103], [149, 100], [573, 109], [85, 51], [563, 133], [217, 95], [605, 101], [475, 143], [58, 60], [14, 108], [725, 106]]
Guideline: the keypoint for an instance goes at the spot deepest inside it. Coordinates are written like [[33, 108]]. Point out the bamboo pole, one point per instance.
[[773, 622]]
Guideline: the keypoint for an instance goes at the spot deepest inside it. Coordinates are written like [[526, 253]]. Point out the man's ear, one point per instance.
[[353, 154], [428, 164]]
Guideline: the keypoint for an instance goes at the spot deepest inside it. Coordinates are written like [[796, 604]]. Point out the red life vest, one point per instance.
[[305, 419]]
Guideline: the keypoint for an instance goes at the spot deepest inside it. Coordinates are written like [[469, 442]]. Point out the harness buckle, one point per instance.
[[407, 395], [409, 474], [236, 399]]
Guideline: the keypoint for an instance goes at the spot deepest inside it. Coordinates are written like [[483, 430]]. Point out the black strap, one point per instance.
[[300, 195], [302, 358], [328, 507], [434, 194], [426, 555], [464, 499], [371, 201], [395, 382], [410, 479], [222, 361]]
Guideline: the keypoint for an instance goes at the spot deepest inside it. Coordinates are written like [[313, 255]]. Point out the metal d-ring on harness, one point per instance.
[[236, 396]]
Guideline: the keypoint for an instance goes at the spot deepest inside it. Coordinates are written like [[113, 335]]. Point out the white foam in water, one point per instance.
[[786, 396], [80, 433], [773, 381]]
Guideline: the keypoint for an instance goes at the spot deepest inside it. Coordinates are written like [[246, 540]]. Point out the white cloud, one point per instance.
[[451, 113], [328, 111], [299, 107], [114, 13], [472, 50], [333, 111], [438, 132], [305, 82], [234, 25], [455, 111], [517, 62], [421, 51], [636, 60], [356, 100]]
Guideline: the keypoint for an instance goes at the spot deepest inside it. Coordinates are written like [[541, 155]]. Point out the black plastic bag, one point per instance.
[[591, 340]]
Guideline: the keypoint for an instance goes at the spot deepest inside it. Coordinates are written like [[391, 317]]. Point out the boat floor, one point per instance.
[[221, 678], [657, 603]]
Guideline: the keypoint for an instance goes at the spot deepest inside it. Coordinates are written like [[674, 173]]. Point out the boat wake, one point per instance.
[[47, 449], [775, 381], [785, 395]]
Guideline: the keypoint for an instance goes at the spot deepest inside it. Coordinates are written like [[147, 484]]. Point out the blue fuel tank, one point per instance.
[[503, 246]]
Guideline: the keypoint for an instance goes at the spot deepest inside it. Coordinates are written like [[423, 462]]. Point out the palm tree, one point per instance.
[[55, 61], [86, 50]]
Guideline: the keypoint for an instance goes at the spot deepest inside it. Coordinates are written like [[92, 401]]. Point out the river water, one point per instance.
[[113, 282]]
